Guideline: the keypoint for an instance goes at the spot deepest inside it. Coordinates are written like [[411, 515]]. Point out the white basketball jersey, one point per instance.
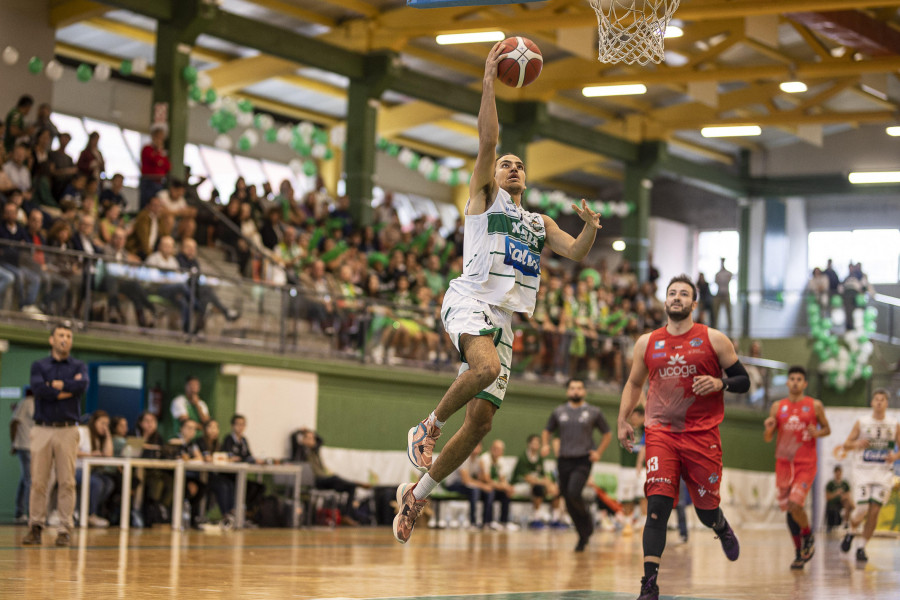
[[502, 256], [881, 436]]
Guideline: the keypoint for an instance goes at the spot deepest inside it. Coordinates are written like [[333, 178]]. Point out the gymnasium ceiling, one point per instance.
[[725, 70]]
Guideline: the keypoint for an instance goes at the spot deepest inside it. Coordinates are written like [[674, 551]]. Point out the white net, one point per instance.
[[633, 31]]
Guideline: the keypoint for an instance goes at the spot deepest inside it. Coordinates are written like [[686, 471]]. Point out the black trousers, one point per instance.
[[339, 484], [573, 475]]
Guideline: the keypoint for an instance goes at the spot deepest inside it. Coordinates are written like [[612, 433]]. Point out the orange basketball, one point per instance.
[[520, 62]]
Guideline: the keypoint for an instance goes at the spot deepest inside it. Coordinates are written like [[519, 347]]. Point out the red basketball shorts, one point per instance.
[[695, 456], [793, 480]]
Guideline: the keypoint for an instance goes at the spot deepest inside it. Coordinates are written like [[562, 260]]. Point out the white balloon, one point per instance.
[[53, 70], [216, 104], [284, 135], [305, 129], [319, 151], [102, 72], [828, 365], [838, 317], [224, 142], [841, 381], [406, 156], [231, 105], [296, 165], [244, 119], [444, 173], [425, 165], [266, 122], [865, 351], [338, 135], [139, 65], [858, 315], [252, 136], [10, 55], [203, 80], [463, 176]]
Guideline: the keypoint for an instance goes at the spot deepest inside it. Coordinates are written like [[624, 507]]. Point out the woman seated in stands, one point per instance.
[[158, 483], [185, 448]]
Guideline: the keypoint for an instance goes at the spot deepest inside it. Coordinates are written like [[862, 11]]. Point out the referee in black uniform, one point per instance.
[[575, 422]]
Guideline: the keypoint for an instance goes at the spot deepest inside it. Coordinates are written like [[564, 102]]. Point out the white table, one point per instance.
[[180, 467], [127, 465]]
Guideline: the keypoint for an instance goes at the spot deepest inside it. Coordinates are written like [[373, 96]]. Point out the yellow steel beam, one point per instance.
[[357, 6], [605, 172], [812, 41], [68, 12], [123, 29], [791, 118], [719, 9], [427, 148], [239, 73], [721, 157], [292, 10], [89, 56], [546, 158], [397, 119], [289, 110]]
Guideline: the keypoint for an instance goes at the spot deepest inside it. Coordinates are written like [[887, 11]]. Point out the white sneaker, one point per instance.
[[98, 522], [512, 526], [495, 526], [53, 520], [31, 309]]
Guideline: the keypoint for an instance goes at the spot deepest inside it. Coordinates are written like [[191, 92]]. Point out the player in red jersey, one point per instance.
[[684, 361], [799, 420]]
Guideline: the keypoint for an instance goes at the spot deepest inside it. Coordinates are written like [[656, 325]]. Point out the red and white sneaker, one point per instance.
[[410, 509], [420, 445]]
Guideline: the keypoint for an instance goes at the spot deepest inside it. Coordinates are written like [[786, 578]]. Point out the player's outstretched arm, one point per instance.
[[824, 428], [564, 244], [482, 187], [631, 395]]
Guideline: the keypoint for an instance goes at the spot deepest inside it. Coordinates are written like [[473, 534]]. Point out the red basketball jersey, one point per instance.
[[794, 442], [673, 361]]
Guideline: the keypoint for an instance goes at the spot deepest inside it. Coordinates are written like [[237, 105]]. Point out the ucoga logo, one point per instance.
[[678, 367]]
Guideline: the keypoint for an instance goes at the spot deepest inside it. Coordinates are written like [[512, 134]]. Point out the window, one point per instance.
[[222, 170], [74, 127], [878, 250], [135, 141], [115, 151], [712, 246], [252, 171], [193, 159]]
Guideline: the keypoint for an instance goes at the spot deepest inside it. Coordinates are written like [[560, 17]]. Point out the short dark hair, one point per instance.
[[191, 378], [533, 436], [237, 416], [838, 468], [683, 278], [573, 379], [61, 325], [24, 100], [883, 392], [798, 369]]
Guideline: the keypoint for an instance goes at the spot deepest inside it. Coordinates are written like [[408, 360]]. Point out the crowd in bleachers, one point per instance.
[[376, 288]]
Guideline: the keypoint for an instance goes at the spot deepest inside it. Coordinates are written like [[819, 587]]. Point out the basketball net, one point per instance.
[[633, 31]]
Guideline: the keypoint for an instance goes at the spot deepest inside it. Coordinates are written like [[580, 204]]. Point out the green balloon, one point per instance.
[[195, 94], [382, 144], [863, 338], [819, 347], [309, 168], [35, 65], [414, 163], [454, 178], [189, 74], [126, 67], [393, 150], [836, 302], [860, 300], [271, 135], [329, 154], [245, 106], [243, 144], [826, 324], [433, 175], [813, 309], [867, 372], [84, 73], [631, 207], [257, 122], [211, 96], [320, 136]]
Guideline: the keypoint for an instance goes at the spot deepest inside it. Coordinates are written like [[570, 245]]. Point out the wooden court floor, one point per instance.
[[366, 563]]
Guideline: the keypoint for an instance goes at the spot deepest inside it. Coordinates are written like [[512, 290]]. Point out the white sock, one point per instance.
[[424, 488], [433, 418]]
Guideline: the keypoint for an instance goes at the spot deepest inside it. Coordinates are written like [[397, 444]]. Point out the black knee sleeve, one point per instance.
[[711, 518], [658, 510], [793, 525]]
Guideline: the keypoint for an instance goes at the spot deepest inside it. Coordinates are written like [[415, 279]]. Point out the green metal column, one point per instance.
[[516, 134], [744, 267], [174, 40], [359, 156], [638, 185]]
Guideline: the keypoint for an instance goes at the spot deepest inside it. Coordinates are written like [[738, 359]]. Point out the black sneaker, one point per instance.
[[847, 542], [730, 544], [798, 562], [582, 544], [861, 555], [807, 547], [649, 589]]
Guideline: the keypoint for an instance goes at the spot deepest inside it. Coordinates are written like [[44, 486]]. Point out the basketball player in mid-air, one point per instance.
[[501, 274], [685, 363], [799, 420], [876, 440]]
